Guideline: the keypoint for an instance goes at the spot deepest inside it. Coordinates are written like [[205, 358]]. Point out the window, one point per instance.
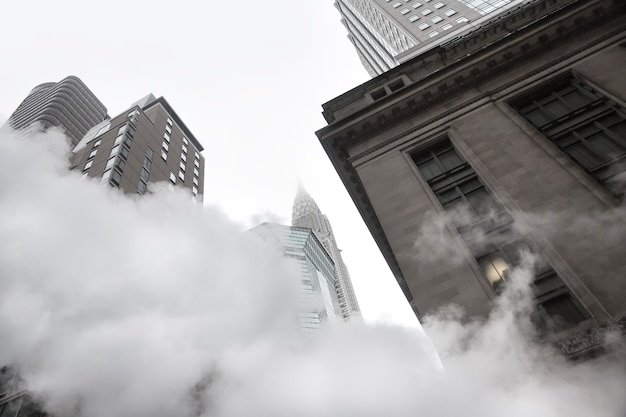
[[438, 5], [585, 125], [119, 139], [185, 141], [103, 129], [182, 165], [115, 150], [450, 12], [436, 19], [194, 190], [404, 11], [116, 177], [97, 143], [197, 155], [144, 174], [88, 165], [455, 183], [196, 163], [196, 172], [181, 175], [172, 178], [168, 129], [183, 156], [106, 175], [433, 34], [446, 26], [166, 137], [396, 5], [423, 26], [416, 5], [164, 154], [184, 148], [169, 121], [426, 12], [110, 163], [92, 153], [462, 19], [149, 153], [413, 18], [141, 188], [166, 146], [195, 181]]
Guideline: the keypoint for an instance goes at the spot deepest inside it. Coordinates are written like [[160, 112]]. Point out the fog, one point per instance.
[[127, 306]]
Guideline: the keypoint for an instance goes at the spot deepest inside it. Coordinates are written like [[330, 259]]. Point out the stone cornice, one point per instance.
[[592, 341]]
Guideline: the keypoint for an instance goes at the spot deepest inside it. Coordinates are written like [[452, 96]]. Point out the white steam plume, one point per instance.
[[112, 305]]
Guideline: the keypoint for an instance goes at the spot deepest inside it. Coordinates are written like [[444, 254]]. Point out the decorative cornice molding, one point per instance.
[[592, 340]]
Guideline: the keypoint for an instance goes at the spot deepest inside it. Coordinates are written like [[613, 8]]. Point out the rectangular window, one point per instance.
[[172, 178], [462, 19], [166, 146], [184, 148], [461, 193], [450, 12], [166, 137], [119, 139], [169, 121], [436, 19], [88, 165], [584, 124], [438, 5], [416, 5], [196, 172], [413, 18], [168, 129], [396, 5], [404, 11], [149, 153], [164, 154], [195, 181], [433, 34], [183, 157], [197, 155], [194, 190], [145, 174], [92, 154], [182, 165], [423, 26], [97, 143], [185, 141], [426, 12], [196, 163], [446, 26], [141, 188], [181, 175]]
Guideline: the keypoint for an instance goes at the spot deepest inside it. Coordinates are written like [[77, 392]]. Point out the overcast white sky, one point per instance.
[[248, 80]]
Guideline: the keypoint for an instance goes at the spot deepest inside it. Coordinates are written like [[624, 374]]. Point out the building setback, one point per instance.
[[388, 32], [146, 143], [511, 139], [306, 213], [67, 104], [317, 272]]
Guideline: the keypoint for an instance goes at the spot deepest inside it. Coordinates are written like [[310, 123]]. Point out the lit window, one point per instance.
[[446, 26], [396, 5], [413, 18], [436, 19], [181, 175], [164, 154], [450, 12], [92, 154], [404, 11], [172, 178], [169, 121], [462, 19], [88, 165], [433, 34], [185, 141], [184, 148], [423, 26], [166, 146], [183, 157], [182, 166], [416, 5], [166, 137], [426, 12], [438, 5], [97, 143]]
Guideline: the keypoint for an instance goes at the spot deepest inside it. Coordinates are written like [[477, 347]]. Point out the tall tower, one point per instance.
[[387, 32], [67, 104], [307, 214], [146, 143], [317, 272]]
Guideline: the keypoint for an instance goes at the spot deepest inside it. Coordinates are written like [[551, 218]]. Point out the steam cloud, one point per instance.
[[113, 305]]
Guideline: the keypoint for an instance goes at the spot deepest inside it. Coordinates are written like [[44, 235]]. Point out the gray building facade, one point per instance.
[[509, 140], [147, 143], [67, 104], [388, 32]]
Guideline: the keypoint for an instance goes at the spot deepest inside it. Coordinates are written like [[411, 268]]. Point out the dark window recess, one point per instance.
[[378, 94], [145, 174], [587, 126], [455, 183], [396, 85], [116, 177], [141, 188]]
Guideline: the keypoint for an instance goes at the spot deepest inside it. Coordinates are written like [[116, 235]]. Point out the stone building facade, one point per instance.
[[504, 144]]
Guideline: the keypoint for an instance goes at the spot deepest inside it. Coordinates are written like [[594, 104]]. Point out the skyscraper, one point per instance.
[[307, 214], [148, 142], [67, 104], [512, 145], [388, 32], [317, 272]]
